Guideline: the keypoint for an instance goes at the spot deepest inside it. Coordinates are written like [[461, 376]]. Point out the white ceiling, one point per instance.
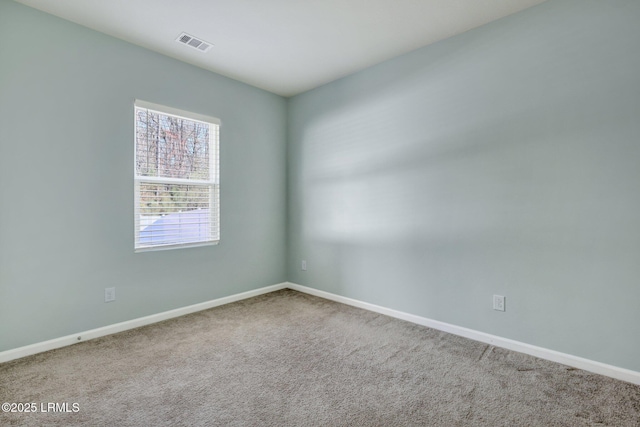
[[284, 46]]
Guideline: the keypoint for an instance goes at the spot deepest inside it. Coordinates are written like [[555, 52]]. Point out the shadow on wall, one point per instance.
[[401, 183], [525, 176]]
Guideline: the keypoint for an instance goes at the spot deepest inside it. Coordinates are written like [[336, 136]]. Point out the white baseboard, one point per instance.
[[543, 353], [28, 350]]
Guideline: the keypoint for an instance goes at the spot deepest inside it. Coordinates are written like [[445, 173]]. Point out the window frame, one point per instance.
[[213, 182]]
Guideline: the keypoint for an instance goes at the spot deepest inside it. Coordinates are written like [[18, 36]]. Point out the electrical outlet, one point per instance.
[[109, 294], [498, 303], [304, 265]]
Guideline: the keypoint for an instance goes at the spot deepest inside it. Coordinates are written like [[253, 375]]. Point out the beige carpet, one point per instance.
[[289, 359]]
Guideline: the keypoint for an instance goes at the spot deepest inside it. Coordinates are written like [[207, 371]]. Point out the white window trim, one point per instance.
[[213, 184]]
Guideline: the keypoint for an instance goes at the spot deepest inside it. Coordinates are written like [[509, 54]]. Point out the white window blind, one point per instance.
[[177, 191]]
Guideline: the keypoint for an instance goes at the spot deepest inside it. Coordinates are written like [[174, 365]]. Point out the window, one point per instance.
[[177, 191]]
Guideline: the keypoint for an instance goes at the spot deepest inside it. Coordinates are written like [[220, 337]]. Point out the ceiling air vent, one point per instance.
[[194, 42]]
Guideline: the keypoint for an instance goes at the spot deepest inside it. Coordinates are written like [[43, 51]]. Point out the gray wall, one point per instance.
[[504, 161], [66, 174]]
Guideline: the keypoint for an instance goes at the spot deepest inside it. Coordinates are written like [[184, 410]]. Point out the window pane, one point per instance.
[[171, 147], [174, 214]]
